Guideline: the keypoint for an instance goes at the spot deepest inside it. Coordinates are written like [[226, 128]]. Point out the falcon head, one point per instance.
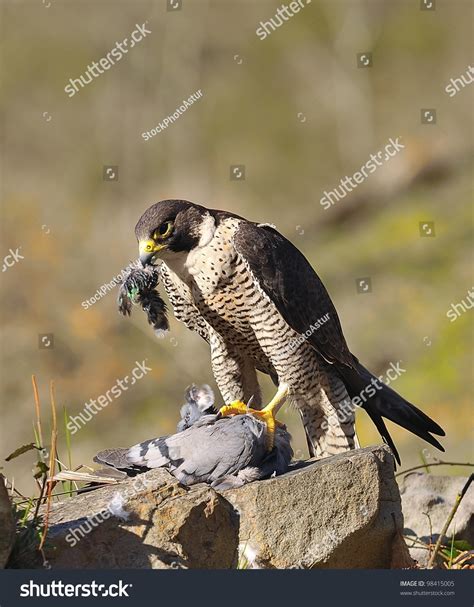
[[171, 227]]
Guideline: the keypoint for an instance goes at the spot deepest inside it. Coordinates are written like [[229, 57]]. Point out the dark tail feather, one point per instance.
[[387, 403], [384, 433], [117, 458]]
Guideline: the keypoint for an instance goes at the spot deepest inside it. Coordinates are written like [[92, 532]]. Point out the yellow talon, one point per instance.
[[267, 415], [235, 408]]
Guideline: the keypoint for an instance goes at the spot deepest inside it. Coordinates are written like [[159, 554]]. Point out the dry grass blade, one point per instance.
[[71, 475], [52, 462], [37, 410], [465, 560], [40, 499], [445, 528]]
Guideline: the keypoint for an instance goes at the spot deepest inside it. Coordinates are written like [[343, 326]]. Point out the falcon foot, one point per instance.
[[266, 415]]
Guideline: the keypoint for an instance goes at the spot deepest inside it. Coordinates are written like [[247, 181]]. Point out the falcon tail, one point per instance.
[[381, 401]]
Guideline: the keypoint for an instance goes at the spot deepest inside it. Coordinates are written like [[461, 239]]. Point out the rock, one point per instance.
[[425, 498], [149, 521], [338, 512], [7, 524]]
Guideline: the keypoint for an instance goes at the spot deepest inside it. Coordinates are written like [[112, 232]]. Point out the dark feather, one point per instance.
[[294, 287], [139, 287], [116, 458], [290, 282], [389, 404]]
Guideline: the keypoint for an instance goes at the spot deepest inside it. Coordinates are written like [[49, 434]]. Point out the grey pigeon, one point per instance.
[[222, 451]]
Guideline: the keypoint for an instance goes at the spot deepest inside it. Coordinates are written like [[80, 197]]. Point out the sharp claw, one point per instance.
[[235, 408], [266, 415]]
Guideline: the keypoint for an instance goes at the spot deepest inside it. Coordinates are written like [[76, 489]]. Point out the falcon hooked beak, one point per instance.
[[147, 250]]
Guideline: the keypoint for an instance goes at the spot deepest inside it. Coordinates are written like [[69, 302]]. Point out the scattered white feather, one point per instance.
[[116, 507], [249, 554]]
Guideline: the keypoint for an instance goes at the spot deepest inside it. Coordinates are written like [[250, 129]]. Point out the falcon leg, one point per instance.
[[267, 414]]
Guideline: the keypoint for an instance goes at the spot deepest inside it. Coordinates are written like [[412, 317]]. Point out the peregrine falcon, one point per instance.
[[254, 297]]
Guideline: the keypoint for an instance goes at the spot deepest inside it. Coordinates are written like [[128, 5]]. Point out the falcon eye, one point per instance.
[[163, 231]]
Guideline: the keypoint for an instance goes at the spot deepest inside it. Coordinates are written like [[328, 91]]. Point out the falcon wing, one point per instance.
[[288, 279]]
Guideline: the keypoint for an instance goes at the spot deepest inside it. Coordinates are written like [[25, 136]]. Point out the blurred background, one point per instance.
[[298, 111]]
